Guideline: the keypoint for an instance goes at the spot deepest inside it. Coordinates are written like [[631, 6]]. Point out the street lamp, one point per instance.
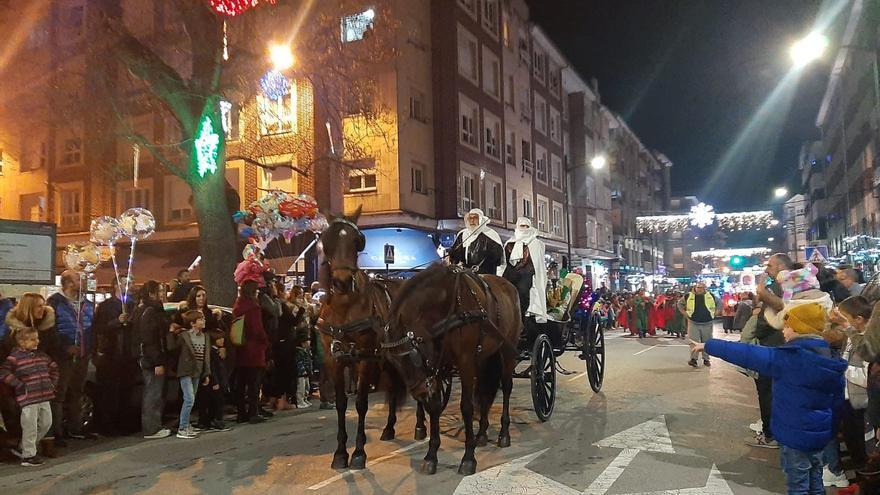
[[598, 162], [780, 192], [281, 57], [808, 49]]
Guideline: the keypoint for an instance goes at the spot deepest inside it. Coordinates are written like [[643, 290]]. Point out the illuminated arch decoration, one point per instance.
[[232, 8], [702, 216]]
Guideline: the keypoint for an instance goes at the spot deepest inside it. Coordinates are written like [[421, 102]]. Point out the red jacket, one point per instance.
[[31, 374], [253, 353]]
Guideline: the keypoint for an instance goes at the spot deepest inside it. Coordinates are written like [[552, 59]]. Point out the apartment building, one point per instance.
[[794, 218]]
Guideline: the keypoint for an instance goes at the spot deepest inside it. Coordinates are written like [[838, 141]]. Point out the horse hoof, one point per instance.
[[358, 461], [421, 433], [340, 461], [429, 467], [388, 435], [467, 468], [482, 440], [504, 441]]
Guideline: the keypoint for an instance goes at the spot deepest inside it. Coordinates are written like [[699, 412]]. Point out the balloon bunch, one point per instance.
[[135, 223], [279, 214]]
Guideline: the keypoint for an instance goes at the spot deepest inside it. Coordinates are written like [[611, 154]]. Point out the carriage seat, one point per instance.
[[561, 301]]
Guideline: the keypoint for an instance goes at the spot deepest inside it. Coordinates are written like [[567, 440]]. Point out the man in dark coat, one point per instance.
[[151, 325], [477, 245], [115, 364]]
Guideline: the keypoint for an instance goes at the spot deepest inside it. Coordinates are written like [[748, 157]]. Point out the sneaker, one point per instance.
[[199, 428], [757, 426], [266, 414], [82, 435], [706, 363], [192, 431], [693, 362], [327, 405], [219, 426], [185, 434], [257, 419], [831, 479], [761, 441], [32, 462], [163, 433]]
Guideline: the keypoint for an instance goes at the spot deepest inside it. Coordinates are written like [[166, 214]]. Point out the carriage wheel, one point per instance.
[[446, 391], [594, 352], [543, 377]]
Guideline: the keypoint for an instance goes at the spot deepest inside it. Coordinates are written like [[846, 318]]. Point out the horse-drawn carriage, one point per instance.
[[542, 343]]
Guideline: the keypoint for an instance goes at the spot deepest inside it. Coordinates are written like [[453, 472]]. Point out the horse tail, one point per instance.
[[395, 394], [489, 377]]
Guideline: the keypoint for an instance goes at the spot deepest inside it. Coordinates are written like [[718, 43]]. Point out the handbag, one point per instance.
[[236, 332]]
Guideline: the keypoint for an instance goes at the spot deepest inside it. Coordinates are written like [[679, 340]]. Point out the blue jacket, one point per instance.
[[66, 321], [5, 306], [808, 387]]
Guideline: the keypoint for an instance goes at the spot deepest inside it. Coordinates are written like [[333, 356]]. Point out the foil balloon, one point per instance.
[[318, 224], [250, 252], [106, 252], [137, 223], [82, 256], [105, 230]]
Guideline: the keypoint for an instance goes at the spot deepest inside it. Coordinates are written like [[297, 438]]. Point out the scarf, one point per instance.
[[470, 234], [522, 236]]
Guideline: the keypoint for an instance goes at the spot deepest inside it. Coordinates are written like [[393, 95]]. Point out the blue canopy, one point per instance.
[[412, 248]]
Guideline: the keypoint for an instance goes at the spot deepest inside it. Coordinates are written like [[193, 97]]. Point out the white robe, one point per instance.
[[538, 292]]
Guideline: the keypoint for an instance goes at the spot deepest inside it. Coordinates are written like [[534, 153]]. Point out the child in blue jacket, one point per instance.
[[808, 386]]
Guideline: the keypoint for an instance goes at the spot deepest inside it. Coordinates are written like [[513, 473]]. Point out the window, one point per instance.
[[557, 219], [554, 81], [417, 106], [418, 179], [229, 117], [510, 149], [527, 207], [277, 116], [469, 112], [540, 114], [555, 125], [71, 154], [493, 199], [505, 30], [510, 94], [511, 205], [492, 127], [31, 207], [357, 26], [491, 73], [542, 214], [35, 156], [541, 164], [539, 65], [556, 172], [279, 175], [467, 55], [129, 197], [527, 156], [523, 50], [470, 6], [69, 207], [362, 178], [490, 16], [177, 194], [469, 191]]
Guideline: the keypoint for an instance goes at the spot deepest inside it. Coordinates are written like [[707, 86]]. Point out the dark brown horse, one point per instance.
[[451, 319], [352, 317]]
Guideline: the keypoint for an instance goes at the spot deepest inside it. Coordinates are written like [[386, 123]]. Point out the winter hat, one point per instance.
[[796, 281], [806, 318]]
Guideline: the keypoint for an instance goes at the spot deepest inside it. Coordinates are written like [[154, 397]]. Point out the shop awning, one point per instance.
[[412, 249]]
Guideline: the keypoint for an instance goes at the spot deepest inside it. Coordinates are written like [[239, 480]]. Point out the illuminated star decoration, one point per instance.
[[207, 147], [234, 7], [275, 85], [702, 215]]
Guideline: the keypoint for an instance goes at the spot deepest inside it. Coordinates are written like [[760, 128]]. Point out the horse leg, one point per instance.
[[421, 431], [506, 387], [340, 457], [394, 398], [429, 465], [359, 456], [468, 461]]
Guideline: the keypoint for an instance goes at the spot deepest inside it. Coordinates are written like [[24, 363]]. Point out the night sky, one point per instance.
[[689, 76]]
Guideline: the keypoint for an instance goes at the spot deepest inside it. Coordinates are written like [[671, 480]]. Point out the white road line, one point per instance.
[[352, 472], [645, 350], [577, 377], [603, 483]]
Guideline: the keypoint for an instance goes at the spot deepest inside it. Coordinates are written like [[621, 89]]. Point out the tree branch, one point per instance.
[[166, 162], [304, 173]]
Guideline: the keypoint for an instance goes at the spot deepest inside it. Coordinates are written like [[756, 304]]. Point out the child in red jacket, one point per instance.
[[33, 376]]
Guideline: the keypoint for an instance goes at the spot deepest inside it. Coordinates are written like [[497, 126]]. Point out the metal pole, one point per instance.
[[845, 165]]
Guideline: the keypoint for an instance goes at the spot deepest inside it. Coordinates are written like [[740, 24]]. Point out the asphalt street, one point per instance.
[[658, 426]]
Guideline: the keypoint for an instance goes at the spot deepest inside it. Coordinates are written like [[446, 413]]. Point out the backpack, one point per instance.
[[236, 332]]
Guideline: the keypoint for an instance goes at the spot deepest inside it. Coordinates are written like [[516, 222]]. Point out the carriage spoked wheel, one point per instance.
[[594, 352], [446, 391], [543, 377]]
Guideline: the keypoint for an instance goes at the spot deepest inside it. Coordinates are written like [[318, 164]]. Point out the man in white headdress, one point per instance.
[[525, 269], [477, 245]]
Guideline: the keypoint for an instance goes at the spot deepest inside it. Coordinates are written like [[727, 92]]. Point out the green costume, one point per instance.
[[640, 313]]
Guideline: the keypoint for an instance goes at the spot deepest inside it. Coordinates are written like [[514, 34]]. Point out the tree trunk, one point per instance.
[[216, 236]]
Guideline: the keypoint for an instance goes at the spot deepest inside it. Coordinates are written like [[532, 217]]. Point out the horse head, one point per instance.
[[341, 242]]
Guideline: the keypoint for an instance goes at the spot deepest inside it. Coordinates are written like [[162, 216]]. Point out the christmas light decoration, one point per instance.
[[275, 85], [730, 253], [702, 215], [207, 145], [235, 7], [747, 220]]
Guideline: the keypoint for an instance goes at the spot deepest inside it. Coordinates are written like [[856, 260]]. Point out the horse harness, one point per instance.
[[378, 293]]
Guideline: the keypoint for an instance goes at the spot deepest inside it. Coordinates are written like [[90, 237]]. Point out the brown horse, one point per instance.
[[450, 319], [353, 314]]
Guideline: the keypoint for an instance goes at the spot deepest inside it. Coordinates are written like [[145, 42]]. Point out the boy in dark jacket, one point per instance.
[[211, 395], [33, 376], [808, 385]]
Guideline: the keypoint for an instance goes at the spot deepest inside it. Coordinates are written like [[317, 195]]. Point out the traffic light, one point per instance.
[[737, 261]]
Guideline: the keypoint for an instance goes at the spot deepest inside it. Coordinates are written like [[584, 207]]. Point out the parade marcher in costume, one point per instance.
[[477, 245], [640, 313], [525, 269]]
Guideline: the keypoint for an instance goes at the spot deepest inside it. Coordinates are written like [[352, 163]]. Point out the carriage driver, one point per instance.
[[525, 269], [477, 245]]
